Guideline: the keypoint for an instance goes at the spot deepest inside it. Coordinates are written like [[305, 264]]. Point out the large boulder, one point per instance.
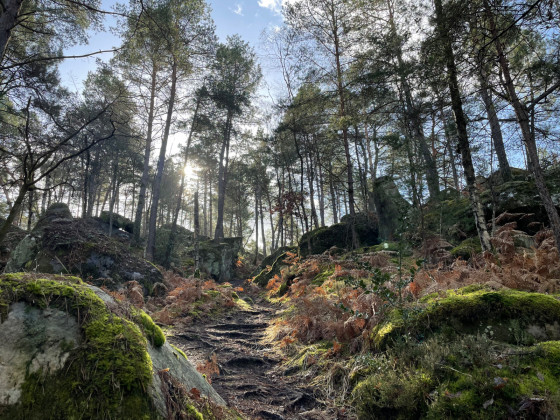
[[68, 350], [339, 235], [390, 206], [183, 242], [218, 259], [61, 244]]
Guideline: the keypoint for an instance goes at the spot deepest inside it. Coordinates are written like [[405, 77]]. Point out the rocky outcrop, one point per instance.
[[118, 221], [68, 350], [390, 206], [270, 259], [339, 235], [61, 244], [513, 201], [218, 259]]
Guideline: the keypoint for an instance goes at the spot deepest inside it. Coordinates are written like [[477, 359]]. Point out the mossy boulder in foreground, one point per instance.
[[470, 353], [69, 351]]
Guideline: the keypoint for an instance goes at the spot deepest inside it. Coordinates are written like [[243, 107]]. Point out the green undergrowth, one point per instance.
[[470, 377], [106, 377], [467, 353]]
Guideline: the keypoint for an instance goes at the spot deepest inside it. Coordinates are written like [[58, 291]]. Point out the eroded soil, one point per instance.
[[246, 371]]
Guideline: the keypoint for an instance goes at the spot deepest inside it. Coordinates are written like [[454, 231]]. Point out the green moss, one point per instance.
[[192, 413], [151, 330], [470, 310], [467, 248], [107, 376], [320, 278], [181, 352], [265, 275], [467, 377]]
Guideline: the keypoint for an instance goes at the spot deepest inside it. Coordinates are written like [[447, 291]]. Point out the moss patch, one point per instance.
[[472, 310], [106, 377], [471, 377]]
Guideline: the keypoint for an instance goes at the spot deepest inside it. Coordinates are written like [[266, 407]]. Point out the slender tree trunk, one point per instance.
[[14, 211], [222, 178], [147, 151], [156, 189], [8, 20], [414, 122], [495, 128], [46, 194], [263, 236], [257, 193], [342, 115], [196, 234], [173, 232], [461, 122]]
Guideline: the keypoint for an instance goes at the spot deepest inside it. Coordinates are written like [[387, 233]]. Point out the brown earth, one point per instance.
[[245, 370]]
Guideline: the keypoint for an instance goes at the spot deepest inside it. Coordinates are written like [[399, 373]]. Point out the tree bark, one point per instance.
[[147, 151], [8, 21], [173, 232], [495, 128], [461, 122], [156, 189], [222, 178]]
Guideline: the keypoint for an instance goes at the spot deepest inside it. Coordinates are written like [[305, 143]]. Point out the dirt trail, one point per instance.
[[249, 375]]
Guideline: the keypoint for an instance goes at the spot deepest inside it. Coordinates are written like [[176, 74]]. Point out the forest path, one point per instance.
[[250, 378]]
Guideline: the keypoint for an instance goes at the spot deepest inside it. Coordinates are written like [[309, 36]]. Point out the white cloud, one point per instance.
[[238, 10], [274, 5]]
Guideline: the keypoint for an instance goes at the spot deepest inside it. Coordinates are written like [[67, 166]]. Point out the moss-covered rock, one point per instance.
[[512, 315], [467, 248], [390, 206], [266, 273], [13, 237], [105, 366], [270, 259], [470, 353], [118, 221], [218, 259], [453, 217], [80, 246], [339, 235]]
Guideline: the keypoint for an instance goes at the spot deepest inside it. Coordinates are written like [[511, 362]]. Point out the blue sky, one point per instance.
[[248, 18]]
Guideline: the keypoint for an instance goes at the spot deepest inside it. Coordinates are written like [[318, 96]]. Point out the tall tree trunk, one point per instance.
[[147, 151], [263, 236], [412, 117], [342, 115], [14, 211], [257, 193], [8, 20], [156, 189], [173, 232], [196, 234], [523, 119], [495, 128], [461, 122], [222, 178]]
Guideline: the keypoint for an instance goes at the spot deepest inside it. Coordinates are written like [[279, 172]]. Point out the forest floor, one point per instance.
[[233, 353]]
